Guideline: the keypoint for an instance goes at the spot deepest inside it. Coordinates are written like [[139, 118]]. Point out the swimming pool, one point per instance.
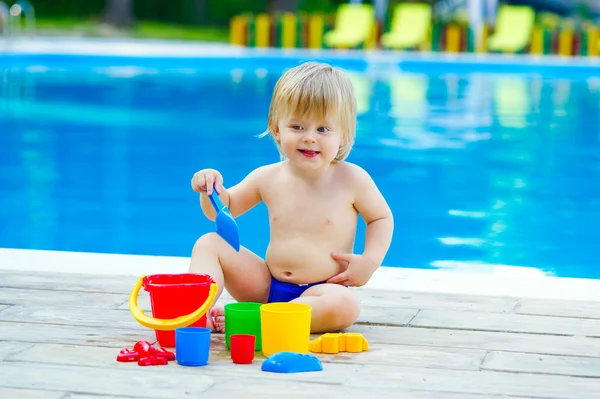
[[482, 163]]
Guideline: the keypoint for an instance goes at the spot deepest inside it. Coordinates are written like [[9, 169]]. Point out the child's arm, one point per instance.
[[240, 198], [373, 208], [380, 225]]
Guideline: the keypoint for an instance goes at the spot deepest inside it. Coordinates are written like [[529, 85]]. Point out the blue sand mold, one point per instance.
[[291, 362]]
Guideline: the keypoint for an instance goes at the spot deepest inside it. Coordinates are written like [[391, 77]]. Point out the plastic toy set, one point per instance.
[[179, 304], [280, 330]]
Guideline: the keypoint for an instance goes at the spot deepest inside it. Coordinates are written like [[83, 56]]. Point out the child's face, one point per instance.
[[309, 141]]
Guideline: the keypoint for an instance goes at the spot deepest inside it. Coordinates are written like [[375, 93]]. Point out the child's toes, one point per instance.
[[219, 324], [217, 314]]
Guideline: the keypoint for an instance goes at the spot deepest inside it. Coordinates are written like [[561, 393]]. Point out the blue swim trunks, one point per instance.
[[284, 292]]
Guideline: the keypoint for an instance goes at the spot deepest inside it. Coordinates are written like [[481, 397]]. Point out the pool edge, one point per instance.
[[489, 282]]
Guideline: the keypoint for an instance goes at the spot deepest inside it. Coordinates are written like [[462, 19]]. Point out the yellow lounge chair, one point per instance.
[[410, 27], [514, 26], [354, 24]]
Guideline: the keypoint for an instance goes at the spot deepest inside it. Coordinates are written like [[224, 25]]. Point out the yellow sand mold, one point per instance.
[[339, 342]]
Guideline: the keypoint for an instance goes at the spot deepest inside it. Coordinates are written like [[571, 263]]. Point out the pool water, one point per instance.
[[480, 169]]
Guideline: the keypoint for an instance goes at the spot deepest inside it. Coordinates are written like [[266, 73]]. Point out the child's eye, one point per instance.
[[322, 129], [295, 127]]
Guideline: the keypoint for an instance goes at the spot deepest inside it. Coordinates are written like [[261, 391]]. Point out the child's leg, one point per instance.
[[334, 307], [244, 274]]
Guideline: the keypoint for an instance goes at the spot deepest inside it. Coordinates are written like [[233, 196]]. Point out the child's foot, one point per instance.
[[215, 319]]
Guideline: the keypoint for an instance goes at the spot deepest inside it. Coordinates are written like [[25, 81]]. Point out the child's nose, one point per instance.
[[309, 137]]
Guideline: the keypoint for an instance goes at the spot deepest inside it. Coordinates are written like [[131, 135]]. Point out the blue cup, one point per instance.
[[192, 346]]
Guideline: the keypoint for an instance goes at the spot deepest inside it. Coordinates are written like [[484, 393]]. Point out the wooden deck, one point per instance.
[[60, 334]]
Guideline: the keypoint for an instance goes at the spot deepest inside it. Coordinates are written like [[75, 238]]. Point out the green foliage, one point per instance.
[[186, 12], [219, 12], [327, 6], [65, 8]]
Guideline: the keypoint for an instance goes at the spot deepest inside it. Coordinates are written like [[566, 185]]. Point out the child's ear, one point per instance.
[[276, 132]]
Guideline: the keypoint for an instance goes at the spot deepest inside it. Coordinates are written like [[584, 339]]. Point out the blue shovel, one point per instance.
[[226, 226]]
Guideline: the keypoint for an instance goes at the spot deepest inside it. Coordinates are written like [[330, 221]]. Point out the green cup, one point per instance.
[[243, 318]]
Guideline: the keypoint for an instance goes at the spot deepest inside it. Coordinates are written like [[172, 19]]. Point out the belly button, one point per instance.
[[287, 274]]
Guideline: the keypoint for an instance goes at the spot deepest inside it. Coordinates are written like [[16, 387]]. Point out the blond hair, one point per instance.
[[315, 90]]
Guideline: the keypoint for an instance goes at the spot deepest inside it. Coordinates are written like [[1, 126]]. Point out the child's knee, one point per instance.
[[351, 309], [345, 310], [207, 242]]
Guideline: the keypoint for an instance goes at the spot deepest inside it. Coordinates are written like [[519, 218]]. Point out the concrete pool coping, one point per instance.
[[120, 47], [458, 278]]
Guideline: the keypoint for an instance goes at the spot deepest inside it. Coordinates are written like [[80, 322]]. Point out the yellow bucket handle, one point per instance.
[[168, 324]]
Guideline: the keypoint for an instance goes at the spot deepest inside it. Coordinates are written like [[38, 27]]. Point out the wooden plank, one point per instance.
[[84, 316], [120, 337], [370, 314], [576, 309], [8, 348], [70, 316], [386, 315], [174, 382], [10, 393], [413, 356], [110, 381], [478, 382], [78, 396], [247, 388], [218, 366], [76, 335], [479, 321], [458, 359], [90, 356], [374, 378], [21, 296], [67, 282], [84, 396], [543, 364], [439, 301], [530, 343]]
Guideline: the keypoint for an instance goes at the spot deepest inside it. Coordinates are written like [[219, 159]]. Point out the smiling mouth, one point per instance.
[[309, 153]]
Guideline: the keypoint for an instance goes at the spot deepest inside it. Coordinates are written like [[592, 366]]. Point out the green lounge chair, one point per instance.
[[354, 24], [514, 26], [410, 26]]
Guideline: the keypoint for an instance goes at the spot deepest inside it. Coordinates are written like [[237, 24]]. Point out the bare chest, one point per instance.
[[311, 212]]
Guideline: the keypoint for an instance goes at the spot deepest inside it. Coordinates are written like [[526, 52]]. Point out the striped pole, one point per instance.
[[371, 41], [288, 30], [237, 30], [565, 42], [537, 41], [453, 39], [481, 44], [592, 41], [262, 30], [315, 31]]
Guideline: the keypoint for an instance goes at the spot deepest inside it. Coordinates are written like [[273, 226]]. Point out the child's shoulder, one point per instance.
[[352, 171], [265, 171]]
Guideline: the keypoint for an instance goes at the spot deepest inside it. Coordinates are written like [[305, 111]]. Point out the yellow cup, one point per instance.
[[285, 327]]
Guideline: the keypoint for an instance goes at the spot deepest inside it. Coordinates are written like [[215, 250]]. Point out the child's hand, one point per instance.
[[358, 270], [204, 180]]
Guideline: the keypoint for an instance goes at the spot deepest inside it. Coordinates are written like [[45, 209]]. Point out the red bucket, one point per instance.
[[175, 295]]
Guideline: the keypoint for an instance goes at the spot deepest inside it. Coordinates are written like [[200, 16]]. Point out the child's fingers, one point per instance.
[[220, 188], [219, 184], [209, 184], [196, 185], [339, 278]]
